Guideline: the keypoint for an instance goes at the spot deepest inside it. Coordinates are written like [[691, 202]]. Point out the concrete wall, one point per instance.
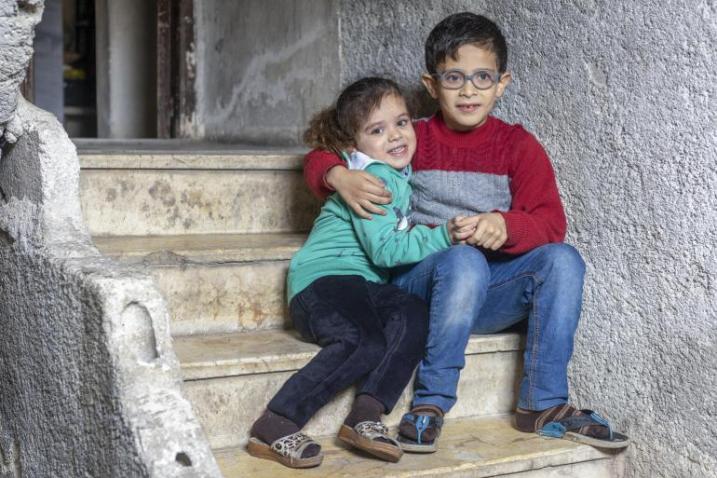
[[126, 69], [263, 66], [624, 97]]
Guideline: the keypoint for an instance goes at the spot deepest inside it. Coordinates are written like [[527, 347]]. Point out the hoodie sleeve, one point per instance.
[[389, 240]]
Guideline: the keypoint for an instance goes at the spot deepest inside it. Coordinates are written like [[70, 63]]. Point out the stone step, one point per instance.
[[157, 187], [469, 447], [230, 378], [214, 283]]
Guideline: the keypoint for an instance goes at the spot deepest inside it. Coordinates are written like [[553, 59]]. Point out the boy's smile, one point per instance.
[[467, 107]]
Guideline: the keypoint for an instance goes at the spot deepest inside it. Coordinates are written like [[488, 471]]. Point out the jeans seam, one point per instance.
[[533, 275], [534, 354]]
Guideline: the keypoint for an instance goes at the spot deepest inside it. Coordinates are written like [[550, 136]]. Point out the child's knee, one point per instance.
[[565, 260], [371, 350], [465, 267]]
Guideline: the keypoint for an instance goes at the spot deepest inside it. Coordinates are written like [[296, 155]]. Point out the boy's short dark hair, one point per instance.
[[460, 29]]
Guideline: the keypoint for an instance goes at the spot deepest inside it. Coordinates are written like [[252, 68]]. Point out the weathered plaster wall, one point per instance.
[[624, 97], [89, 384], [388, 41], [17, 22], [262, 67]]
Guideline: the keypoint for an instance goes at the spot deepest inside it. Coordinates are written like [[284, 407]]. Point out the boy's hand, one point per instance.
[[459, 229], [490, 231], [360, 190]]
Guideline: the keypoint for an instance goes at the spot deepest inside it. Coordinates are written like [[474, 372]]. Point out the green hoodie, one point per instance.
[[342, 243]]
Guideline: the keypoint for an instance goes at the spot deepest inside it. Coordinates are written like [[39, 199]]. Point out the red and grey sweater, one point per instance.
[[496, 167]]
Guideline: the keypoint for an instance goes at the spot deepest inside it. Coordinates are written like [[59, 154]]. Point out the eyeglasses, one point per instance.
[[455, 79]]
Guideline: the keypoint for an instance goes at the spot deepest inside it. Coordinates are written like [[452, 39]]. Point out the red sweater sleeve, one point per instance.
[[317, 163], [536, 215]]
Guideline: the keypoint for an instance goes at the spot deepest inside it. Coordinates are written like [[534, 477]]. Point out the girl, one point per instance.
[[338, 292]]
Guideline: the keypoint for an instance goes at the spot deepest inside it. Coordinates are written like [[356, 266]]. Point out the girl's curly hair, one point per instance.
[[334, 128]]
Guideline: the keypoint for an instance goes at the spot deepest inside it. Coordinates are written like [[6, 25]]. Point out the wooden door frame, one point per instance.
[[175, 74]]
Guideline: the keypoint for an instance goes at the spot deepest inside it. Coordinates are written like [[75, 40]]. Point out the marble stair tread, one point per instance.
[[200, 248], [475, 447], [279, 350], [163, 195], [184, 154], [214, 283]]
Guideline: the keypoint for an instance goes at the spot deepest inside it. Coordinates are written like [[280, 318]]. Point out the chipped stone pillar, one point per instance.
[[18, 19], [89, 384]]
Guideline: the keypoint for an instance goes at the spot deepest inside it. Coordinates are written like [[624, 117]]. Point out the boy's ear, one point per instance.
[[505, 80], [430, 83]]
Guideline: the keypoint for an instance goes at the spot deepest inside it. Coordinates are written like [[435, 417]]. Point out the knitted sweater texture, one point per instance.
[[496, 167]]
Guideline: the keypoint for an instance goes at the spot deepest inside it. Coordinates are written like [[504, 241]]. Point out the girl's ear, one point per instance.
[[430, 83]]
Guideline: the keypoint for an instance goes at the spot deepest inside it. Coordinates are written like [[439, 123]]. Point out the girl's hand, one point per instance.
[[459, 229], [360, 190]]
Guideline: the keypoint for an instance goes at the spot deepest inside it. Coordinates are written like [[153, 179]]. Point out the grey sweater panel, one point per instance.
[[440, 195]]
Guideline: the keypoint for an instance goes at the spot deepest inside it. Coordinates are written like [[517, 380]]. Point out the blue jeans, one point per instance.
[[468, 294]]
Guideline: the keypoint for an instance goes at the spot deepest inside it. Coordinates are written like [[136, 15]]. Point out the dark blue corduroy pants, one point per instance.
[[374, 333]]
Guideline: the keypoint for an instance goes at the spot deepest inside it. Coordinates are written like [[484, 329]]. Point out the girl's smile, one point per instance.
[[388, 135]]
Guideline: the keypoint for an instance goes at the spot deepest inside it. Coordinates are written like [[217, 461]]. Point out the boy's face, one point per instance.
[[467, 107], [387, 134]]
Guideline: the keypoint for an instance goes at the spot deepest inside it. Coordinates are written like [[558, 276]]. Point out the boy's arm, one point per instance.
[[389, 243], [536, 216], [324, 173], [317, 163]]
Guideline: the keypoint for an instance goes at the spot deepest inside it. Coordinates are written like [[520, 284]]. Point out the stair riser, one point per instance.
[[156, 202], [605, 468], [224, 298], [227, 407]]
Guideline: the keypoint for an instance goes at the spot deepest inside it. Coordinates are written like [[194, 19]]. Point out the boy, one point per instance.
[[516, 266]]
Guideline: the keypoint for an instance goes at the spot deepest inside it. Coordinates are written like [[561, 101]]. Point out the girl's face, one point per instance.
[[387, 135]]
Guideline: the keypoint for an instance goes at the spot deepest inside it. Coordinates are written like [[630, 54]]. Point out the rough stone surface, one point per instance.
[[624, 97], [262, 66], [89, 383], [17, 23]]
